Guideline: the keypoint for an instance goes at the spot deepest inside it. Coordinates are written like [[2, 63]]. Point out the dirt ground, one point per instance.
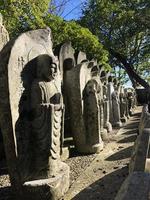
[[103, 178], [97, 176]]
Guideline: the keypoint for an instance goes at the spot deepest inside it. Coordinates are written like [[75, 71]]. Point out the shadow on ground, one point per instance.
[[122, 154], [132, 131], [104, 189], [130, 138]]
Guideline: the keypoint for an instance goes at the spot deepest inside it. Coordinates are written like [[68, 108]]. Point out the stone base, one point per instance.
[[118, 124], [90, 149], [105, 135], [65, 153], [47, 189], [108, 126], [124, 119]]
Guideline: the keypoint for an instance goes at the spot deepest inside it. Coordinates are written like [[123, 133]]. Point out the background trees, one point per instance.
[[23, 15], [123, 28], [118, 29]]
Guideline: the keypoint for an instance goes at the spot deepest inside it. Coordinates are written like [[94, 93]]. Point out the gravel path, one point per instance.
[[103, 178]]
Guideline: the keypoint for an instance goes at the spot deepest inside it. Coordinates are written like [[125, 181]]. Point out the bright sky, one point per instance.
[[73, 9]]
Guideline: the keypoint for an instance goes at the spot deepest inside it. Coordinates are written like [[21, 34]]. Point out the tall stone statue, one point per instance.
[[91, 97], [107, 124], [116, 105], [123, 105], [31, 99], [84, 104], [46, 108]]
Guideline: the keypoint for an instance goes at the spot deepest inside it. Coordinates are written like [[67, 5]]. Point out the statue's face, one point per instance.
[[49, 72]]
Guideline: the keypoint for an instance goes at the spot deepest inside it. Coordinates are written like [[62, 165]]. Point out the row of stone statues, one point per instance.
[[46, 97]]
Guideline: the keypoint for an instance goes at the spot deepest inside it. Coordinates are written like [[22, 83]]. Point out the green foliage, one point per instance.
[[121, 25], [81, 38], [24, 15]]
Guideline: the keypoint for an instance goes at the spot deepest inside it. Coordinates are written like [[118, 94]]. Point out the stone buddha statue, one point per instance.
[[46, 111]]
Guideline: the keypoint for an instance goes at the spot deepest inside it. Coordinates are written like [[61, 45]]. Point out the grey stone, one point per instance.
[[135, 187], [141, 147], [127, 103], [122, 104], [95, 75], [4, 37], [114, 104], [31, 103], [53, 188], [83, 92], [80, 57], [104, 82], [65, 53], [1, 18]]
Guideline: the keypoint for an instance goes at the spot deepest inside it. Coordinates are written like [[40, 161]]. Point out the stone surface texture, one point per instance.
[[84, 108], [141, 147], [135, 187], [4, 37], [80, 57], [30, 93]]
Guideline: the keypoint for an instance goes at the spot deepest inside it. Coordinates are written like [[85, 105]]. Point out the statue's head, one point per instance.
[[46, 67]]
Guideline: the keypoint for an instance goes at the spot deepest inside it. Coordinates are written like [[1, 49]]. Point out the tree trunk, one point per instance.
[[134, 77]]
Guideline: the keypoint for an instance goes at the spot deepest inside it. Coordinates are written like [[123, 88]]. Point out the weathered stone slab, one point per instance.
[[145, 119], [31, 103], [65, 53], [114, 105], [135, 187], [141, 147], [140, 152], [4, 37], [80, 57], [104, 81], [83, 92], [45, 189], [123, 104]]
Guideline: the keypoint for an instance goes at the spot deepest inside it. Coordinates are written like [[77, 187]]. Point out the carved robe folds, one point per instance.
[[46, 125]]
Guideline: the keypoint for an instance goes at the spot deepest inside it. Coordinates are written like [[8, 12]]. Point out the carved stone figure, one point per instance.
[[46, 107], [95, 75], [31, 102], [84, 105], [127, 103], [114, 103], [107, 124], [92, 104], [122, 104], [65, 53], [116, 109]]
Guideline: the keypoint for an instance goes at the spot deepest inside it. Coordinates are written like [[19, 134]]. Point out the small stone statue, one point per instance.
[[92, 113], [116, 109], [46, 109], [122, 104]]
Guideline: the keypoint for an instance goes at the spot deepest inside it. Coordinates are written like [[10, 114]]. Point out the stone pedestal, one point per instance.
[[47, 189], [65, 153], [107, 124]]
